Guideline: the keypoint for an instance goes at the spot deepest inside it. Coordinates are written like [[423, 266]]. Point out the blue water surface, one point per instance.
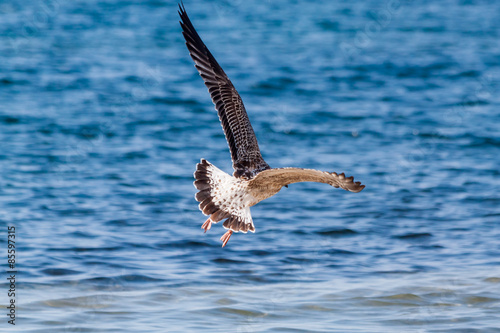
[[103, 118]]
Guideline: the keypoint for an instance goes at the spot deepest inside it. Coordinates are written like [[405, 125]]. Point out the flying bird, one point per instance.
[[226, 197]]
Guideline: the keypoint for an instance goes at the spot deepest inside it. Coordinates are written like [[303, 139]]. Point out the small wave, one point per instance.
[[11, 82], [480, 299], [228, 261], [492, 280], [414, 235], [340, 252], [337, 232], [135, 155], [175, 101], [241, 312], [86, 249], [9, 120], [59, 271], [122, 279], [261, 253], [183, 244]]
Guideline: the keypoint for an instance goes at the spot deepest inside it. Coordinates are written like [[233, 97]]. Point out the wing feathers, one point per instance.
[[284, 176], [245, 153]]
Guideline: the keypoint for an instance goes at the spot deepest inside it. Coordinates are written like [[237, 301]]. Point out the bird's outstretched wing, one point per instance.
[[245, 153], [285, 176]]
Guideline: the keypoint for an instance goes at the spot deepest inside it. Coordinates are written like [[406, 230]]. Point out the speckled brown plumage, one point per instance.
[[226, 197]]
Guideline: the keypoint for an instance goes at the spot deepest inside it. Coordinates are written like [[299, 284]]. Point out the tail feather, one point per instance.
[[216, 199], [202, 195], [237, 223], [202, 184], [219, 216], [210, 208]]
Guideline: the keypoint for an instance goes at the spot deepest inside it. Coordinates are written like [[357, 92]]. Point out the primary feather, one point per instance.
[[245, 153]]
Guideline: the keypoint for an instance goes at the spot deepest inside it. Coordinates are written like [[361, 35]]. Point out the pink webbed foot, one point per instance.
[[225, 237], [207, 225]]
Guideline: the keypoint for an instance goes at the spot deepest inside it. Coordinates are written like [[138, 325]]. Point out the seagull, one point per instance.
[[226, 197]]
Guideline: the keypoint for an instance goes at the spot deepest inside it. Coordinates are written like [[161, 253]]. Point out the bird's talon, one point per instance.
[[207, 225], [225, 237]]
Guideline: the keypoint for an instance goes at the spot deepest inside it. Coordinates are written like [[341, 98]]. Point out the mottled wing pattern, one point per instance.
[[245, 153], [284, 176]]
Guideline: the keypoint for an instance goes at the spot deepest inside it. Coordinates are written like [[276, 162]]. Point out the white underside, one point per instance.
[[231, 194]]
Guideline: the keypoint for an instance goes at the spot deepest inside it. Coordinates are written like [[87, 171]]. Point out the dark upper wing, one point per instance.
[[245, 153]]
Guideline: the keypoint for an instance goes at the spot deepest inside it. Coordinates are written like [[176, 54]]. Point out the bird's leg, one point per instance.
[[207, 225], [225, 237]]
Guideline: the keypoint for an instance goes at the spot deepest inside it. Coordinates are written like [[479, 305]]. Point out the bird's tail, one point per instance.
[[242, 222], [218, 195]]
